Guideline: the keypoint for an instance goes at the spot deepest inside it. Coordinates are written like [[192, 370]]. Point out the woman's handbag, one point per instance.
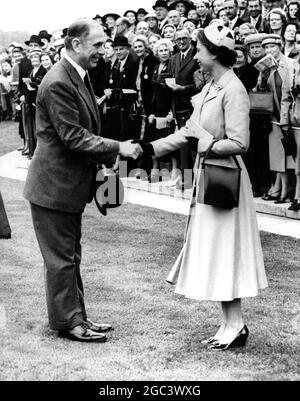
[[288, 142], [261, 102], [221, 182]]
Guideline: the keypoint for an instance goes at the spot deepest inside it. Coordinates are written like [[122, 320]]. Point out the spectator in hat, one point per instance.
[[280, 190], [193, 15], [223, 17], [45, 37], [141, 14], [289, 35], [34, 42], [169, 32], [119, 105], [161, 10], [257, 156], [98, 19], [182, 6], [110, 21], [246, 72], [132, 18], [290, 116], [190, 25], [152, 21], [244, 30], [142, 28], [123, 29], [202, 8]]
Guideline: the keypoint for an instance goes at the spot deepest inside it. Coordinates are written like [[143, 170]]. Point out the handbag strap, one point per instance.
[[209, 149]]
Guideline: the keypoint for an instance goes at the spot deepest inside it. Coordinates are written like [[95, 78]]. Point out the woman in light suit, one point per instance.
[[221, 259]]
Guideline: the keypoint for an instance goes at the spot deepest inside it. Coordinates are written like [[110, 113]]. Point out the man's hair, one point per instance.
[[78, 29], [124, 20], [235, 2]]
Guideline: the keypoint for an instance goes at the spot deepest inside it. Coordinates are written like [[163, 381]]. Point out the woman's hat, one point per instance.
[[64, 32], [97, 16], [220, 35], [150, 15], [241, 47], [45, 35], [121, 40], [34, 39], [254, 38], [161, 3], [142, 11], [187, 3], [129, 11], [34, 52], [273, 39], [112, 15]]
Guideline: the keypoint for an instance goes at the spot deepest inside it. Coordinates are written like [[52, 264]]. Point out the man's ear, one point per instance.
[[76, 45]]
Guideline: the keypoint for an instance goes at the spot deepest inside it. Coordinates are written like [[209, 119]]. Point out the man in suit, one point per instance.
[[231, 8], [182, 68], [62, 173], [255, 16], [161, 10]]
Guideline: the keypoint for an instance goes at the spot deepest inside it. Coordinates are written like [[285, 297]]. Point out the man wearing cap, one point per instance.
[[123, 29], [256, 158], [61, 176], [123, 77], [161, 10]]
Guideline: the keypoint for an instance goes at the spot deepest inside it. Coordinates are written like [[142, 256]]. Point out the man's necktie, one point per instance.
[[88, 85], [182, 58]]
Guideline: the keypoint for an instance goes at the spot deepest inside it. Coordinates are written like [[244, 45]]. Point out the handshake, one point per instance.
[[135, 149]]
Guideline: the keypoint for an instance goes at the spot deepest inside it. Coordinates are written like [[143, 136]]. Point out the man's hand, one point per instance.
[[176, 87], [129, 149], [108, 93]]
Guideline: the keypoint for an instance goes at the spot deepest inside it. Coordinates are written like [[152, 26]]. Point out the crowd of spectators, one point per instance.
[[146, 78]]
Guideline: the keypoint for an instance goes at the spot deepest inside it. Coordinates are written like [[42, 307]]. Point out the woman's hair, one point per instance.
[[218, 13], [290, 23], [141, 38], [225, 56], [167, 26], [279, 12], [163, 42], [154, 34], [47, 54]]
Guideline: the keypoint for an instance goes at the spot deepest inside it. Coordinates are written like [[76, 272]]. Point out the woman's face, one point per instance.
[[273, 49], [192, 14], [223, 17], [204, 58], [108, 50], [163, 53], [142, 28], [290, 33], [240, 59], [180, 7], [131, 18], [201, 8], [110, 22], [293, 8], [6, 67], [169, 33], [152, 22], [139, 48], [35, 60], [256, 50], [152, 41], [218, 4], [46, 61], [189, 26], [275, 21]]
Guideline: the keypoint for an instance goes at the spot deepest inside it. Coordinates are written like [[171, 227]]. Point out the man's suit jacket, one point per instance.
[[261, 25], [184, 74], [62, 171]]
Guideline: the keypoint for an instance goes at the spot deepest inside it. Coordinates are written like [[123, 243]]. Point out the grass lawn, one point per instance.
[[126, 258]]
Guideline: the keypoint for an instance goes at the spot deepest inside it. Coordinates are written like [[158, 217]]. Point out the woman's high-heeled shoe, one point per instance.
[[209, 340], [239, 341], [271, 197]]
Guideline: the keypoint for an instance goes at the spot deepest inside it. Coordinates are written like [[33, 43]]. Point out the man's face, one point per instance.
[[182, 40], [174, 17], [121, 27], [121, 52], [244, 31], [17, 56], [231, 9], [201, 8], [256, 50], [272, 49], [161, 13], [139, 48], [152, 22], [272, 4], [91, 47], [180, 7], [142, 28], [33, 45], [254, 8]]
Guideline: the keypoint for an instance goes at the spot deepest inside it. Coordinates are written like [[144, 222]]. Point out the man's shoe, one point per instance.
[[97, 327], [83, 334]]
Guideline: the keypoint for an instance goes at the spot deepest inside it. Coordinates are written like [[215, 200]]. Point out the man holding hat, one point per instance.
[[161, 10], [61, 176]]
